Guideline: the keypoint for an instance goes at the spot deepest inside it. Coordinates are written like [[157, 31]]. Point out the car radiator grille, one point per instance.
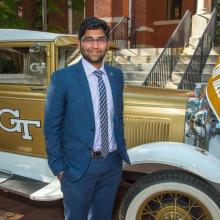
[[144, 130]]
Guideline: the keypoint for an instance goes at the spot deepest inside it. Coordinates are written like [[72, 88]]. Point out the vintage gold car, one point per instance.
[[172, 136]]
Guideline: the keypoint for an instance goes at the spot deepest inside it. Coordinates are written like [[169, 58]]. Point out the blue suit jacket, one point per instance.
[[69, 120]]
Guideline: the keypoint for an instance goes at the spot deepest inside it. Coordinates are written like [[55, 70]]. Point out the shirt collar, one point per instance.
[[89, 68]]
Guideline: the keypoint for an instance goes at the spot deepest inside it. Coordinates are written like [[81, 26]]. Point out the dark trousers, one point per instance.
[[92, 197]]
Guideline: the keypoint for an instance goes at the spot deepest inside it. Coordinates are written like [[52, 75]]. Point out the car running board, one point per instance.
[[31, 188], [19, 185], [5, 175]]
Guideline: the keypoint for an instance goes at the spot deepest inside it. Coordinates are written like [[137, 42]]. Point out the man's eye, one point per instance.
[[87, 40], [101, 40], [90, 40]]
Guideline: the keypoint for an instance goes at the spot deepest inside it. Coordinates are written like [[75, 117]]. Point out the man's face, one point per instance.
[[94, 46]]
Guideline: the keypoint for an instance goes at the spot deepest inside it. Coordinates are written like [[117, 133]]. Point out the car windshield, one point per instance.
[[23, 65]]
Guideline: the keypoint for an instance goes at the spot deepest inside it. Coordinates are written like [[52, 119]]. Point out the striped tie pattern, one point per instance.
[[103, 112]]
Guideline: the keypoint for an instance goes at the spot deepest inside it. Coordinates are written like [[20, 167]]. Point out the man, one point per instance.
[[84, 128]]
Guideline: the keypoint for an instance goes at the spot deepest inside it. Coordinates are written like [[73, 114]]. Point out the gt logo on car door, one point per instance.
[[19, 125]]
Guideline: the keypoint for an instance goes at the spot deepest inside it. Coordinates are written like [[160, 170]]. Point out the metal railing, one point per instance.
[[193, 72], [119, 33], [162, 70]]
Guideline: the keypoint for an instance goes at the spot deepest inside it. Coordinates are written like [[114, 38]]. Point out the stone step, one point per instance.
[[176, 79], [171, 85], [135, 75], [139, 52], [151, 52], [211, 59], [185, 59], [136, 59], [135, 83], [215, 51], [180, 67], [135, 67], [210, 64], [136, 64], [176, 76]]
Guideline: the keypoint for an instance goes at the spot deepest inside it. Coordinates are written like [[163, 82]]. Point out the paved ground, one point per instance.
[[14, 207]]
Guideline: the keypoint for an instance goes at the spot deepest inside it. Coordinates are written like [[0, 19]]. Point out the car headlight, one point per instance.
[[201, 118], [199, 122]]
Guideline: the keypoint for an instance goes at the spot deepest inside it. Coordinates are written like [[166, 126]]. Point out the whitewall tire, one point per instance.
[[170, 195]]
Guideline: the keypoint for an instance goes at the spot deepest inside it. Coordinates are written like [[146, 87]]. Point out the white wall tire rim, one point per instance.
[[172, 186]]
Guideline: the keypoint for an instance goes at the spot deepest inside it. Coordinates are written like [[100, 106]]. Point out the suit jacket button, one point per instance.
[[92, 129]]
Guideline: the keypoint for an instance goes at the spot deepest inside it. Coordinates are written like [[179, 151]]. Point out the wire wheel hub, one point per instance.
[[172, 206]]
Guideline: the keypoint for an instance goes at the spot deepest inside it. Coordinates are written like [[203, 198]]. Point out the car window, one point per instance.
[[23, 65], [66, 54]]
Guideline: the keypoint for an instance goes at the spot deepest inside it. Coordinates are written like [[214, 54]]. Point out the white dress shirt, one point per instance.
[[93, 85]]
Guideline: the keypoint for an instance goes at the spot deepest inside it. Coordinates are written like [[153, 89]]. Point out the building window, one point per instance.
[[174, 9]]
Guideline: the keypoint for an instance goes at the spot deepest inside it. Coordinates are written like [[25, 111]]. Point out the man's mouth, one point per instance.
[[94, 52]]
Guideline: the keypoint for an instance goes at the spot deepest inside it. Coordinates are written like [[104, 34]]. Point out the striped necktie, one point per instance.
[[103, 113]]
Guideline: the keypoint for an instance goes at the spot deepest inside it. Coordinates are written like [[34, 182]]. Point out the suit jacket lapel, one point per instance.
[[85, 87], [112, 80]]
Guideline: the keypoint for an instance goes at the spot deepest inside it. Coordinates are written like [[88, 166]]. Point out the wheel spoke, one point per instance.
[[172, 206], [189, 208], [170, 195]]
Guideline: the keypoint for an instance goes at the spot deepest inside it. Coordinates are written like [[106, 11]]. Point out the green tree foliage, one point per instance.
[[53, 8], [78, 5], [9, 15]]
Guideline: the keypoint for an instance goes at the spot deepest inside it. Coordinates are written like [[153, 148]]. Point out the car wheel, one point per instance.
[[170, 195]]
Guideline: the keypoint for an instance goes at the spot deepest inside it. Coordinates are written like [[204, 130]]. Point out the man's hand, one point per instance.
[[60, 176]]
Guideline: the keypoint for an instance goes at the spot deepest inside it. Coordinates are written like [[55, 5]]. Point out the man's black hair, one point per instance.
[[93, 23]]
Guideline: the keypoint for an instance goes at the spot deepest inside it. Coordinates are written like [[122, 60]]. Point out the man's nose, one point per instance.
[[95, 43]]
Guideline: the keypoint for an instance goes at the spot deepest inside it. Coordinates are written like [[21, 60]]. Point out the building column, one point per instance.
[[70, 17], [200, 20], [203, 6]]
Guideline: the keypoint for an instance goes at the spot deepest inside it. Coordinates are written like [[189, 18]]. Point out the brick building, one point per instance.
[[150, 22]]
